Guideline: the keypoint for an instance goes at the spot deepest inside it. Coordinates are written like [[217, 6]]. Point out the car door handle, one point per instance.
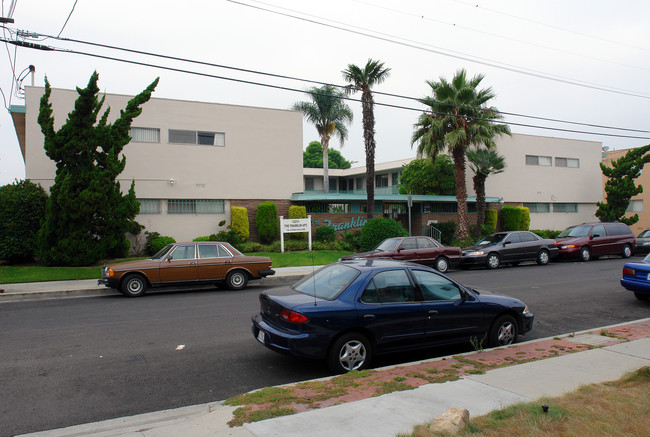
[[368, 316], [432, 312]]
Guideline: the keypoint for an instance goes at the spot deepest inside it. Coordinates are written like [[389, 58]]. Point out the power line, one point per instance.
[[197, 73], [444, 52], [66, 20], [211, 64]]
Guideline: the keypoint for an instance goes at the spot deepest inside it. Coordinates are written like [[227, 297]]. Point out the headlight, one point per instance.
[[525, 311], [475, 253], [567, 246]]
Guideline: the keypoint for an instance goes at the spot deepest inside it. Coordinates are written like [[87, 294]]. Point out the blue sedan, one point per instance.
[[636, 278], [350, 311]]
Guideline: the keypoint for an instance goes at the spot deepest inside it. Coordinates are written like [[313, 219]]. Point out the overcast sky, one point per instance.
[[581, 61]]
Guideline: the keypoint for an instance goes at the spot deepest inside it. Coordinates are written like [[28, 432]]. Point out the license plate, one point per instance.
[[260, 336]]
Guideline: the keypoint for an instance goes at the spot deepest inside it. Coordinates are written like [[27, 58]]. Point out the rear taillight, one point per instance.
[[629, 271], [293, 317]]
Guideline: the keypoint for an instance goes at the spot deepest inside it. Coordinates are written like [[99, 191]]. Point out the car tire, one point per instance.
[[442, 264], [133, 285], [585, 254], [504, 331], [641, 296], [237, 280], [543, 257], [349, 352], [627, 251], [492, 261]]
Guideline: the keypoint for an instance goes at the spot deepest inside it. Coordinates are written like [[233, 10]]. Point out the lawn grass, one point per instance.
[[37, 273], [618, 408]]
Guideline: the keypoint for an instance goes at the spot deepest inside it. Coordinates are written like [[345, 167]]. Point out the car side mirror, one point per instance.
[[505, 242], [401, 248], [594, 236]]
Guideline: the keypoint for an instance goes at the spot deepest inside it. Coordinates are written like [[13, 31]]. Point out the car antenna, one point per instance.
[[313, 277]]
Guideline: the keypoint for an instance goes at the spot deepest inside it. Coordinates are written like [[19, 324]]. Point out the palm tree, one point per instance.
[[483, 163], [363, 79], [330, 114], [457, 118]]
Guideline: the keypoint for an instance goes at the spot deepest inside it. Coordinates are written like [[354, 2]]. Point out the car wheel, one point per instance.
[[133, 286], [627, 251], [641, 296], [543, 257], [492, 261], [585, 254], [503, 331], [350, 352], [442, 264], [237, 280]]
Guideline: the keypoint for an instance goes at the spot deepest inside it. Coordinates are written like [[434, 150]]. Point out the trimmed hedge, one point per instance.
[[298, 212], [379, 229], [326, 234], [546, 233], [267, 223], [491, 218], [511, 218], [525, 218], [239, 222], [447, 230], [157, 243]]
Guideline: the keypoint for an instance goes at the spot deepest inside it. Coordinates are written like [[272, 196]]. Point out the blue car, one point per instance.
[[350, 311], [636, 278]]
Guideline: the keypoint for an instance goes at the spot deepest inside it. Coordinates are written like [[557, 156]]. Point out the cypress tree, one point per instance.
[[87, 216]]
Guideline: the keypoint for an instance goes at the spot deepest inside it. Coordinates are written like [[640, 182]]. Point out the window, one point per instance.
[[149, 206], [197, 137], [565, 207], [567, 162], [435, 287], [381, 180], [538, 160], [389, 286], [527, 237], [207, 251], [425, 243], [538, 207], [183, 251], [444, 208], [309, 184], [635, 206], [513, 238], [195, 206], [409, 244], [361, 183], [144, 135], [598, 231]]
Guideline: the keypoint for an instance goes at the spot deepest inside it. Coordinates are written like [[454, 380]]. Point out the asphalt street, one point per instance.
[[77, 360]]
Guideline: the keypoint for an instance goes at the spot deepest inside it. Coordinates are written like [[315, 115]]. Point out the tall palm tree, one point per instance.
[[330, 114], [363, 79], [458, 117], [483, 163]]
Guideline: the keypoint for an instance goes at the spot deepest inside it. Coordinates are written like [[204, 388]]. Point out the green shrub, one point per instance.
[[298, 212], [350, 241], [266, 222], [295, 245], [228, 236], [206, 238], [157, 243], [239, 222], [491, 218], [525, 218], [251, 246], [324, 245], [546, 233], [22, 209], [379, 229], [511, 218], [447, 230], [326, 233]]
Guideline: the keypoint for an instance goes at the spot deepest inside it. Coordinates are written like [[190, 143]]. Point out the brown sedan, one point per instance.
[[421, 250], [194, 263]]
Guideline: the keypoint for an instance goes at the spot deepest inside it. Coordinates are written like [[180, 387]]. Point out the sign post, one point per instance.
[[290, 226]]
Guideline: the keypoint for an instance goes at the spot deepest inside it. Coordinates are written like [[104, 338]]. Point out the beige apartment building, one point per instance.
[[637, 203], [192, 161]]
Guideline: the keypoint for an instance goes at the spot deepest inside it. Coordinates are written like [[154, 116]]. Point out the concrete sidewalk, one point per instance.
[[602, 358]]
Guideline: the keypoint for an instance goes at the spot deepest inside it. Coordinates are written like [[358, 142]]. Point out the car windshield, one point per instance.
[[647, 258], [388, 244], [644, 234], [491, 239], [162, 252], [327, 282], [575, 231]]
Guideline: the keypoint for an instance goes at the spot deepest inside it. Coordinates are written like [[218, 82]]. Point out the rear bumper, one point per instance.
[[295, 343], [636, 285], [265, 273]]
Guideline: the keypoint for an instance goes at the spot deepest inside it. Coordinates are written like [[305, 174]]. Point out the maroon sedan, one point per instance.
[[422, 250]]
